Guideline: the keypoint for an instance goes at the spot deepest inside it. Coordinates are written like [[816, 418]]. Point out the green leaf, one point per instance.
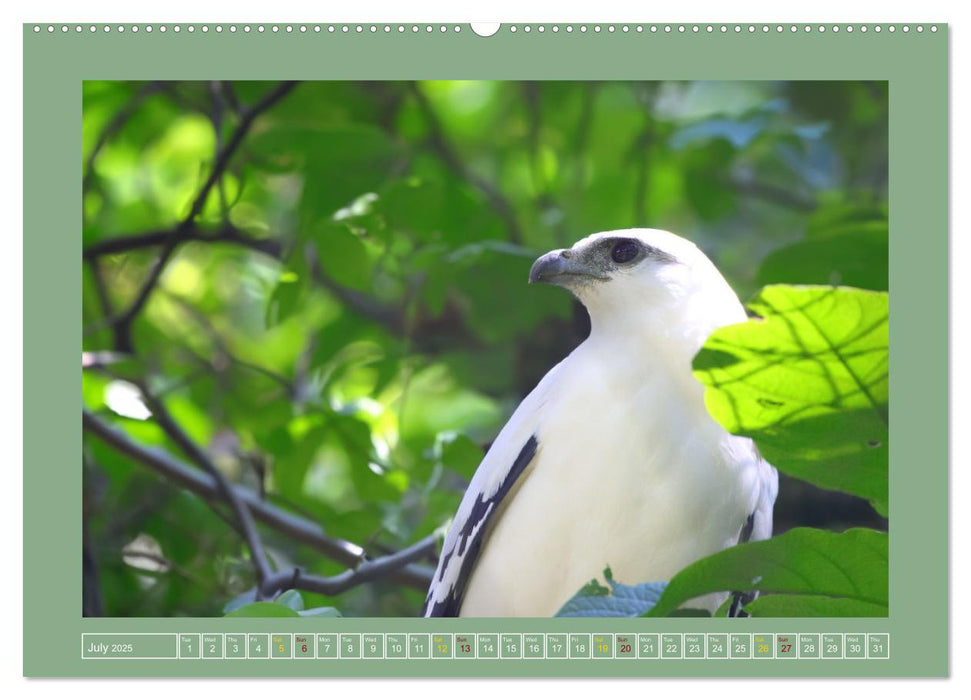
[[339, 164], [436, 402], [706, 170], [833, 217], [264, 609], [285, 299], [857, 256], [292, 599], [354, 436], [850, 565], [813, 606], [437, 210], [613, 600], [459, 453], [293, 458], [321, 612], [809, 383], [343, 255]]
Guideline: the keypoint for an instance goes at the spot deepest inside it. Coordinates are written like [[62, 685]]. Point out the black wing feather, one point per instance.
[[482, 512], [740, 600]]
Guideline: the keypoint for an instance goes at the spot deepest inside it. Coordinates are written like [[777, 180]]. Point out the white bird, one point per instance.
[[612, 460]]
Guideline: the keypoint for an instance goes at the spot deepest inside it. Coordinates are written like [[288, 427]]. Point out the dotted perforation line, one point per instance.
[[422, 29], [719, 28], [249, 28]]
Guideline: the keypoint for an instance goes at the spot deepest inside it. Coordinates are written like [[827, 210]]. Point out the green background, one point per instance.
[[915, 66]]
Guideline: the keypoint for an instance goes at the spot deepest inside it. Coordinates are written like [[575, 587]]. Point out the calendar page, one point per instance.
[[485, 350]]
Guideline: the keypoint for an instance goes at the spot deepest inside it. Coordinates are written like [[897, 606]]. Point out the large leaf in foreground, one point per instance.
[[849, 568], [808, 381], [813, 606]]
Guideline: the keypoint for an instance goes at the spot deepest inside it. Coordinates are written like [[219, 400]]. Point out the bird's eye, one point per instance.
[[624, 251]]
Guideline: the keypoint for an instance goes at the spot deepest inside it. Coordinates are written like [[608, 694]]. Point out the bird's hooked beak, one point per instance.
[[562, 267]]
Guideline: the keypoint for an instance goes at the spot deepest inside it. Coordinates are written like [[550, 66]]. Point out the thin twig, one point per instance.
[[229, 93], [223, 354], [123, 323], [114, 126], [216, 116], [244, 518]]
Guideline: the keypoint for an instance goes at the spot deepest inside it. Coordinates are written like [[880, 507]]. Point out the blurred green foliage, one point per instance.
[[348, 324]]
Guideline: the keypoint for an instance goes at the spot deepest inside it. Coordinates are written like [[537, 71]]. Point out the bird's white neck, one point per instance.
[[669, 323]]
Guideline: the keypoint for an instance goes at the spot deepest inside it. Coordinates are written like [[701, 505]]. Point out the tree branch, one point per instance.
[[368, 571], [294, 527], [227, 233], [123, 323], [244, 520]]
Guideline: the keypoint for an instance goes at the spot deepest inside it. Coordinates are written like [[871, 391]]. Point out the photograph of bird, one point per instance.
[[613, 459]]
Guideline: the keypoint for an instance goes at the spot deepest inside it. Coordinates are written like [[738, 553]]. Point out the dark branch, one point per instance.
[[369, 570], [149, 239], [123, 323], [223, 355], [294, 527], [243, 517], [245, 123]]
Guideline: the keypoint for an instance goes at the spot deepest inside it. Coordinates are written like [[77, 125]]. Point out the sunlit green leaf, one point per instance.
[[808, 381]]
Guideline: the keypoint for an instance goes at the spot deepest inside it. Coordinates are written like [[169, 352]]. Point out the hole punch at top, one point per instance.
[[485, 28]]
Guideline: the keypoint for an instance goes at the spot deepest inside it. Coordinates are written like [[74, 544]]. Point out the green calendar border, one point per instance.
[[916, 66]]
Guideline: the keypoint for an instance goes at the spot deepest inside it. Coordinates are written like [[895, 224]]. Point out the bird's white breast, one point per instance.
[[645, 485]]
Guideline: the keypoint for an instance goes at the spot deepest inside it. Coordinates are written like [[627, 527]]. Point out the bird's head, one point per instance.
[[644, 282]]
